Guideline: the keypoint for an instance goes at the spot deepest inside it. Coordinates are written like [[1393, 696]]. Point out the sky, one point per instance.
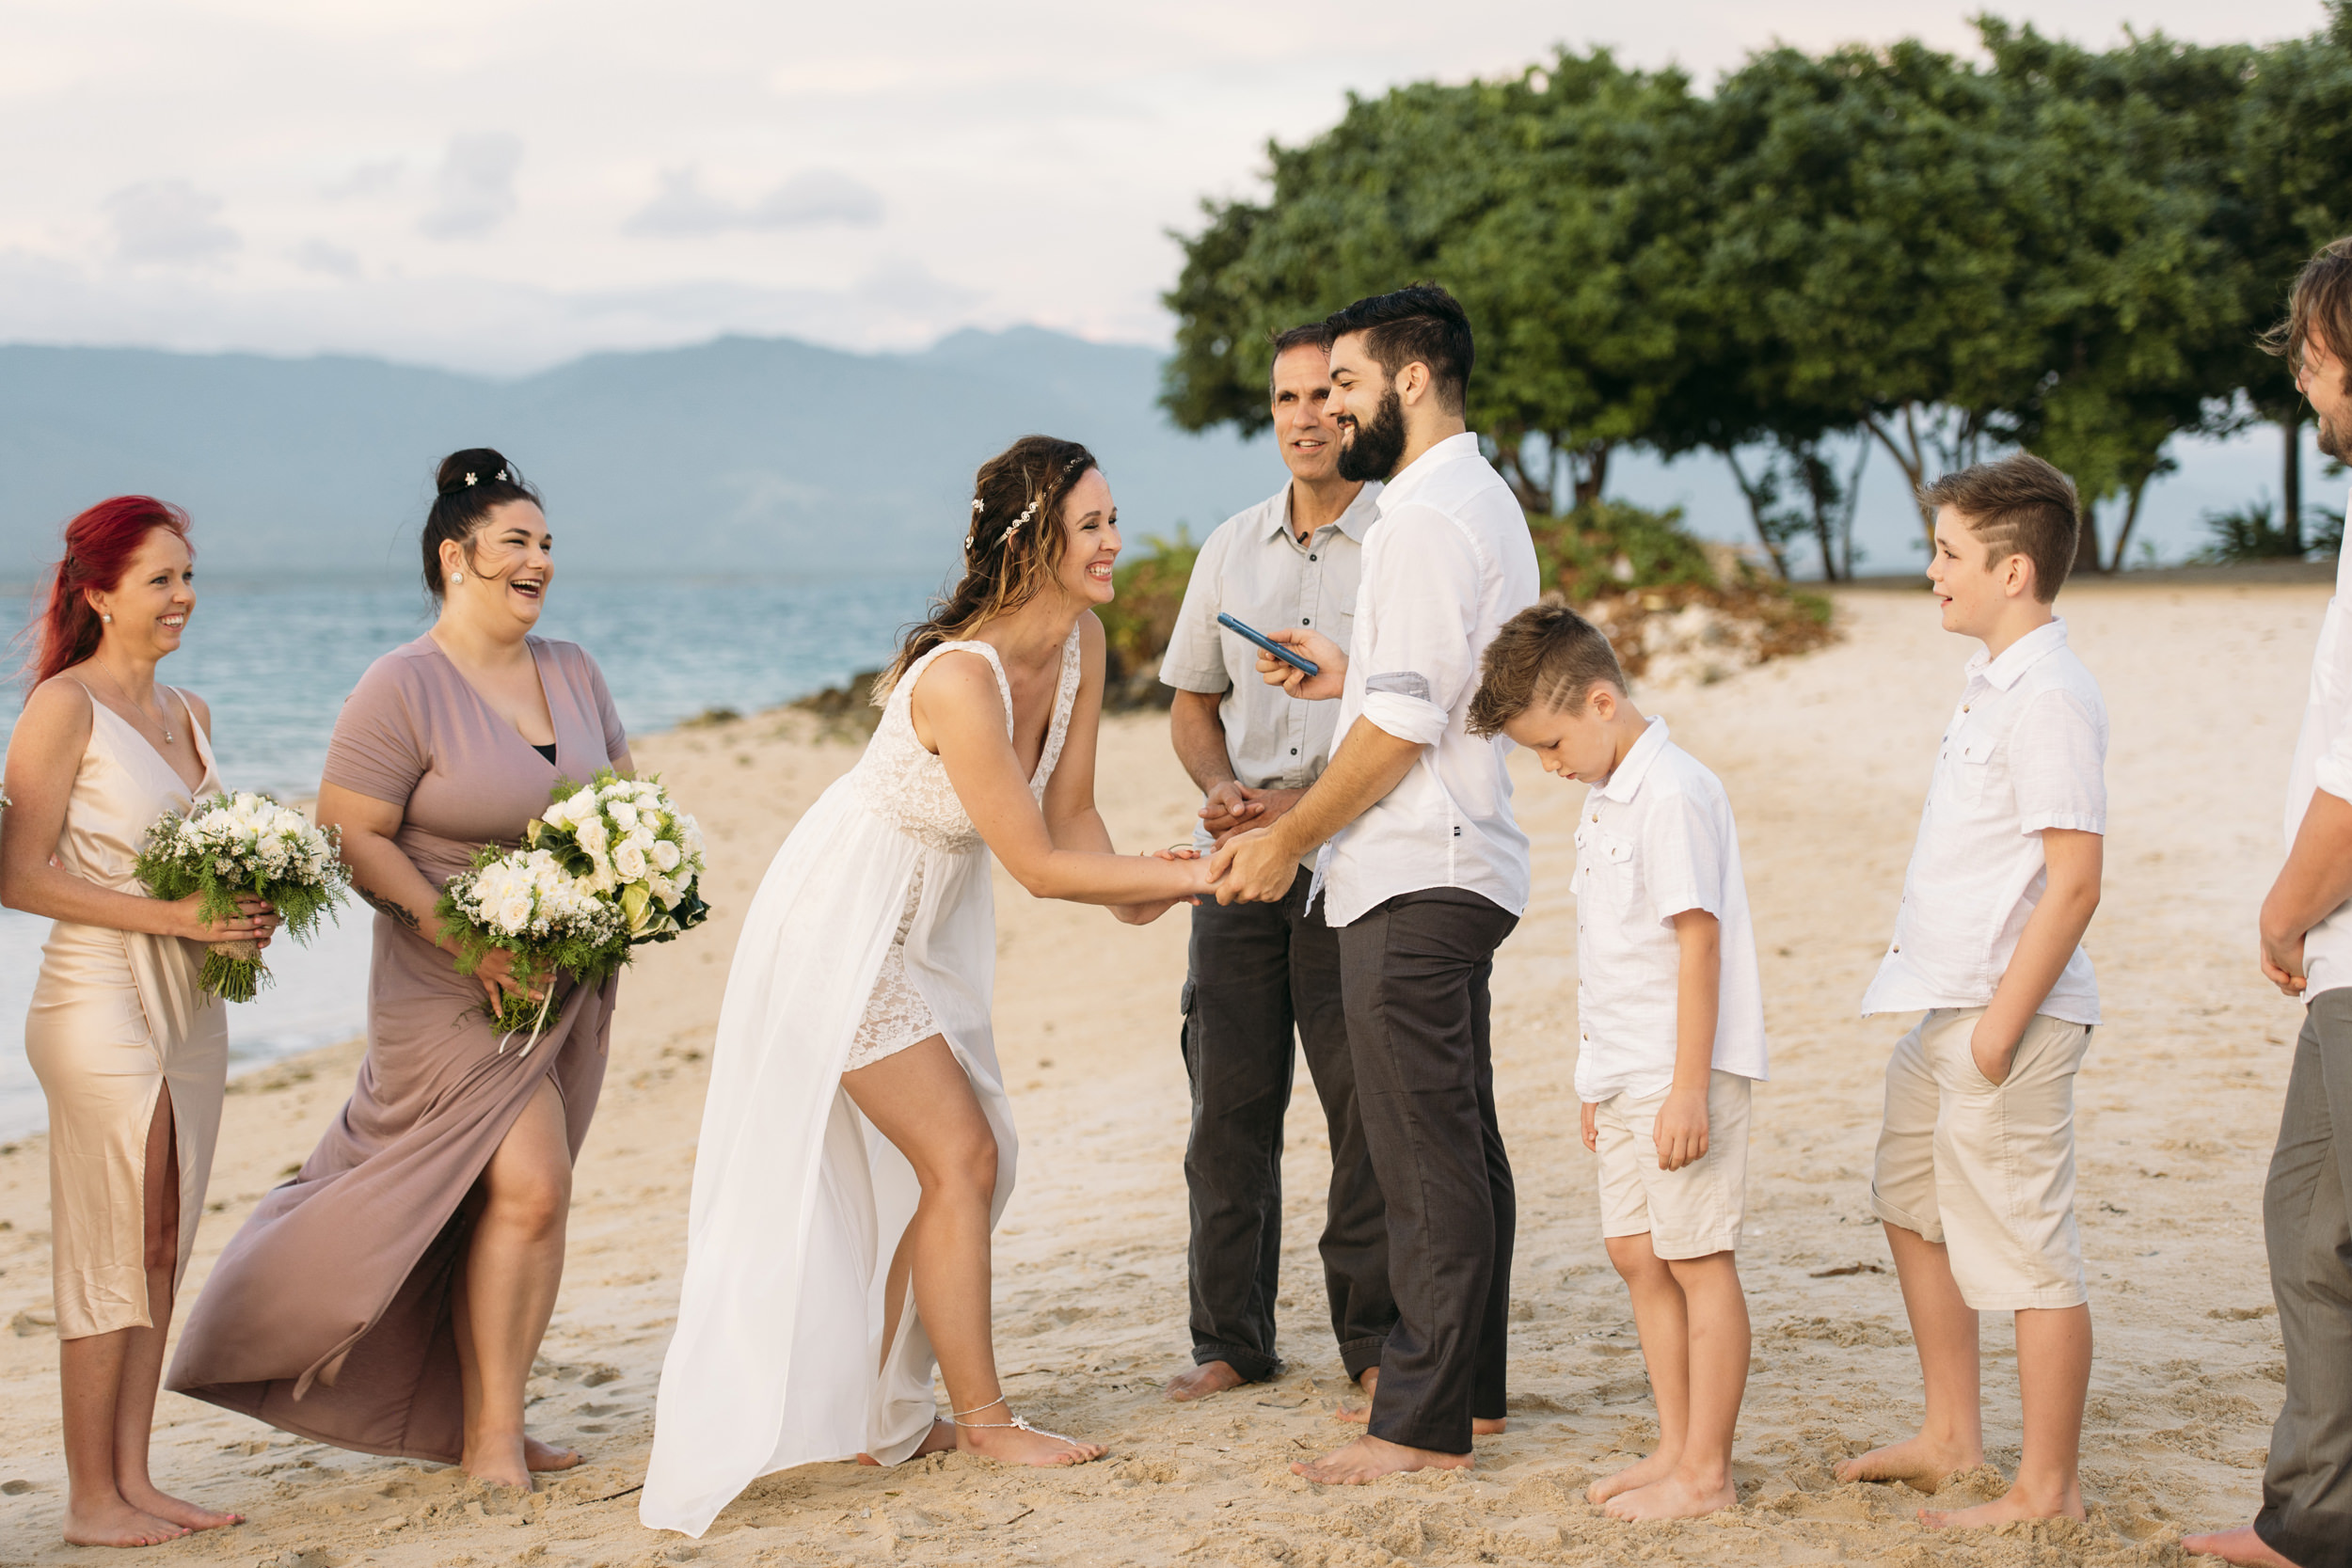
[[502, 184], [499, 186]]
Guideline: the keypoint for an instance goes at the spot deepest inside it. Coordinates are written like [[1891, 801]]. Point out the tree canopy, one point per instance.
[[1892, 250]]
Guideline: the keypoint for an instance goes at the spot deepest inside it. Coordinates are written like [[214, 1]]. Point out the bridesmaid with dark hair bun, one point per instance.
[[391, 1297], [131, 1054]]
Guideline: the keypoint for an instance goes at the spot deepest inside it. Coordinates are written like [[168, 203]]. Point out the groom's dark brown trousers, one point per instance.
[[1416, 972]]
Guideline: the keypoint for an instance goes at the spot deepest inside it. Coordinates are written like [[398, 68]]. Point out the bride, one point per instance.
[[857, 1146]]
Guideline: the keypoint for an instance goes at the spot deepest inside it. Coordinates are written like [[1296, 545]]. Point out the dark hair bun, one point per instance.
[[466, 488], [475, 466]]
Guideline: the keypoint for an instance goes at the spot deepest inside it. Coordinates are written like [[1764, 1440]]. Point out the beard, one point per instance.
[[2335, 440], [1373, 450]]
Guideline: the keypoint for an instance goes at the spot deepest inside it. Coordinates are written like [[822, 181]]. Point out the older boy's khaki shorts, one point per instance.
[[1691, 1212], [1987, 1169]]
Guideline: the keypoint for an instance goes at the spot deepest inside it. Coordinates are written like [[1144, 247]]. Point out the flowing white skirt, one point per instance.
[[798, 1203]]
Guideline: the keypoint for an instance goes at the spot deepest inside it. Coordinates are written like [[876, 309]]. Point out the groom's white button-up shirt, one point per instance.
[[1447, 561], [2322, 760]]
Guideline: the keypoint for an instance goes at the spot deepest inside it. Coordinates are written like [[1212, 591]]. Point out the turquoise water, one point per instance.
[[275, 663]]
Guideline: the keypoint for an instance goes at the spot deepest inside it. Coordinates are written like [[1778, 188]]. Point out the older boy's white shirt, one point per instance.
[[1654, 841], [2322, 760], [1446, 562], [2025, 750]]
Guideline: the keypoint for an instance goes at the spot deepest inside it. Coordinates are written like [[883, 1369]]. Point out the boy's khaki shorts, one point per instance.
[[1691, 1212], [1987, 1169]]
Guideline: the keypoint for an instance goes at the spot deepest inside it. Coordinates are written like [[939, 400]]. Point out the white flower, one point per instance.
[[624, 815], [629, 862], [665, 855]]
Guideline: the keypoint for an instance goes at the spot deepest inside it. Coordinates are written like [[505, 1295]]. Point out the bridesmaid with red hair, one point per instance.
[[131, 1054]]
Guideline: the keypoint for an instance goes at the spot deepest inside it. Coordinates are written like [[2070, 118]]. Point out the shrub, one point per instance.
[[1605, 546]]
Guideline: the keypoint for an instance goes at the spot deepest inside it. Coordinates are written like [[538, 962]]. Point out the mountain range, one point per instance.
[[736, 457]]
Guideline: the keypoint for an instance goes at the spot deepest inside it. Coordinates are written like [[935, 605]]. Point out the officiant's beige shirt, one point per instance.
[[1254, 569]]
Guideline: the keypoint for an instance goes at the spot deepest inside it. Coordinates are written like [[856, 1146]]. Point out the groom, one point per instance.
[[1422, 868]]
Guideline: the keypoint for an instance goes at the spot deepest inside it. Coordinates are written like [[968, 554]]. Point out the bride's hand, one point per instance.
[[1143, 914]]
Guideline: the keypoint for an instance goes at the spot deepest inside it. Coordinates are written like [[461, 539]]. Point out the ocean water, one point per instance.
[[276, 661]]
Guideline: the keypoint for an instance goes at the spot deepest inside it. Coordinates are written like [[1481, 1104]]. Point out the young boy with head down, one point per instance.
[[1670, 1020], [1975, 1173]]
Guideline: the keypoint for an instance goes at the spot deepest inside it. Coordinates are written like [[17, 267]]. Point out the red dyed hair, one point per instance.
[[99, 545]]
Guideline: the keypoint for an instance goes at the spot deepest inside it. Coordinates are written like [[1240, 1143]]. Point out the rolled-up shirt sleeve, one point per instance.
[[2332, 772], [1194, 660], [1417, 664], [2057, 757]]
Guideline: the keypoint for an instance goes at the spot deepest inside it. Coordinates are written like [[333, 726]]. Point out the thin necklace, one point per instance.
[[161, 723]]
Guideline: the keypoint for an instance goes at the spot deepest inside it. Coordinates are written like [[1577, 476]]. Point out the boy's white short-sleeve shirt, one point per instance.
[[1654, 840], [2025, 750]]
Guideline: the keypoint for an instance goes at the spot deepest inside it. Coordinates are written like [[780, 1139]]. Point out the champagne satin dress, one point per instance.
[[118, 1018]]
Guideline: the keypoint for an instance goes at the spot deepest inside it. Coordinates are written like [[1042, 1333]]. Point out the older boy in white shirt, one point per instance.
[[1670, 1034], [1974, 1176]]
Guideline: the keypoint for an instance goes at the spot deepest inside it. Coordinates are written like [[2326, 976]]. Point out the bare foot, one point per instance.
[[497, 1459], [1645, 1472], [177, 1510], [1675, 1498], [1919, 1463], [546, 1456], [1015, 1444], [2237, 1546], [1210, 1377], [1481, 1426], [116, 1523], [2007, 1508], [1369, 1458], [938, 1440]]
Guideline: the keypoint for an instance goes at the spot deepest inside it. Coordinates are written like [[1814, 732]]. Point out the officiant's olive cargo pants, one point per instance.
[[2307, 1223], [1416, 973], [1258, 971]]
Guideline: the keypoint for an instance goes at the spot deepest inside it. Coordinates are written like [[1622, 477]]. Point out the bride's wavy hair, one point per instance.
[[1011, 550]]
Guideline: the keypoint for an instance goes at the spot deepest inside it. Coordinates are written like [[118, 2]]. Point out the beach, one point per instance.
[[1825, 758]]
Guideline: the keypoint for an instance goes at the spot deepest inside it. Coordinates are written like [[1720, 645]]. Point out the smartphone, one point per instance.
[[1288, 656]]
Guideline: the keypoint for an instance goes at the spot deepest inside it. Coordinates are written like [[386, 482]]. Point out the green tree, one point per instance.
[[2118, 198], [2290, 190], [1867, 220], [1562, 207]]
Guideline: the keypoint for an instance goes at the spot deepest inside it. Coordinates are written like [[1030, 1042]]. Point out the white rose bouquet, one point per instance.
[[248, 844], [527, 902], [626, 839]]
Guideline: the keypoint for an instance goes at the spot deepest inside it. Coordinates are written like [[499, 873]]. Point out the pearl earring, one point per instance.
[[108, 619], [458, 577]]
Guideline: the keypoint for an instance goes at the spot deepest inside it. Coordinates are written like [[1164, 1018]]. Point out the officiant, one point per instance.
[[1263, 973]]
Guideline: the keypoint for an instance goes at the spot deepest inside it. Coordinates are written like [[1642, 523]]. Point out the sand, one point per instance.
[[1825, 758]]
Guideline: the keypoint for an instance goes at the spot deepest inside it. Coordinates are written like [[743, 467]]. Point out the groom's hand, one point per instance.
[[1251, 868], [1330, 659]]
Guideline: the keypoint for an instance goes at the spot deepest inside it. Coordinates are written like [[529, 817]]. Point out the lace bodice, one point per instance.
[[908, 785]]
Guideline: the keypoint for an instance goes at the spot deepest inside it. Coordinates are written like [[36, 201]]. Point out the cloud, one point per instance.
[[365, 180], [320, 256], [168, 222], [682, 209], [475, 191]]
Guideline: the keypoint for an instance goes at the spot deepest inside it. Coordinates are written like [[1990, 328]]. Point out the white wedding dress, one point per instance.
[[798, 1203]]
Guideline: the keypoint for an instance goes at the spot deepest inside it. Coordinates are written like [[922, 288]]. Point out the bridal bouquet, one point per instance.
[[238, 844], [611, 863], [632, 843]]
